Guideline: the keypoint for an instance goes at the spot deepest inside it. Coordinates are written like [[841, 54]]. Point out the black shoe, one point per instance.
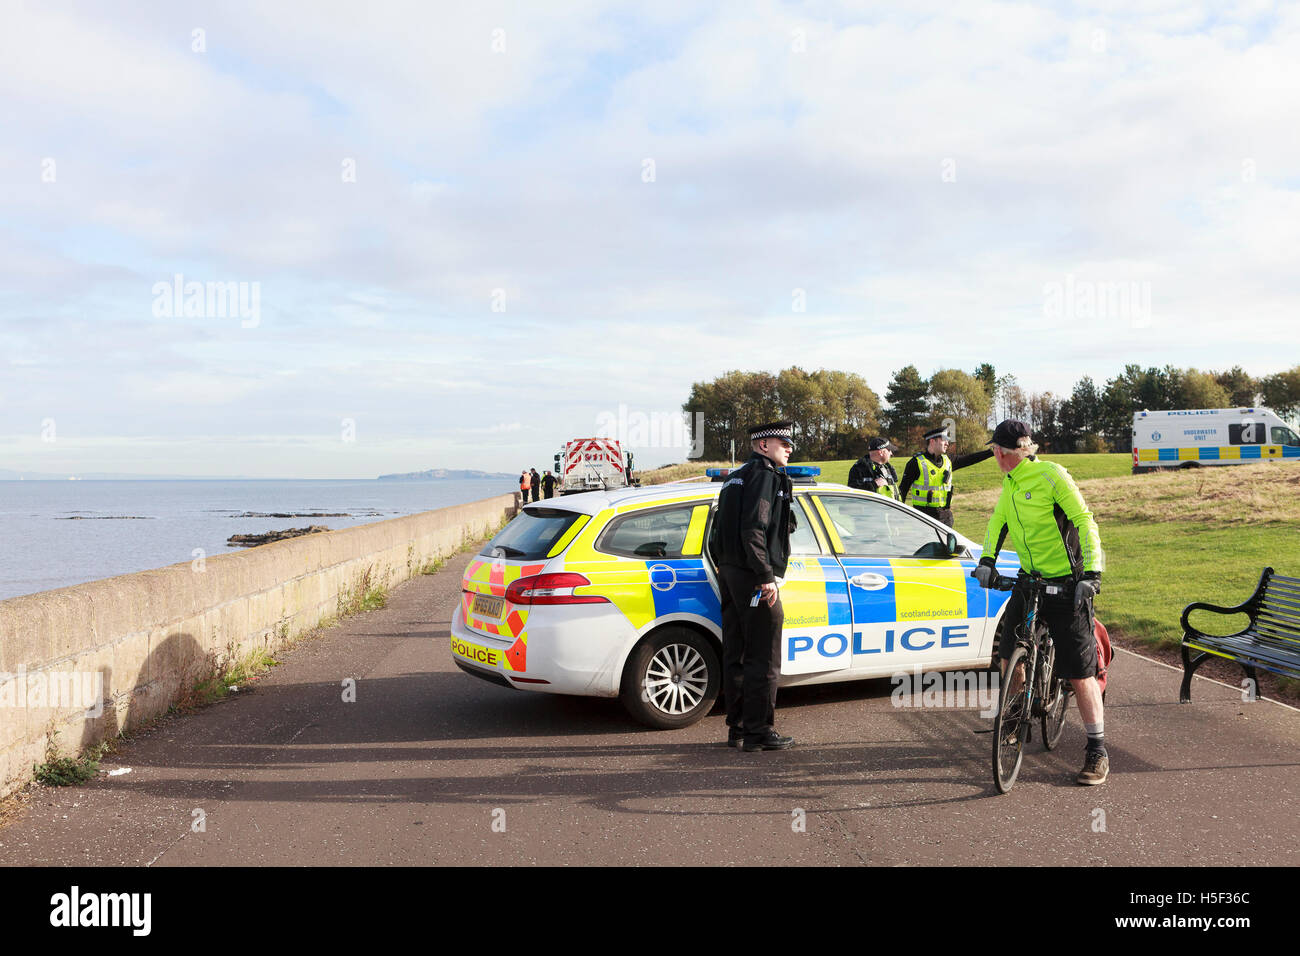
[[773, 741], [735, 737]]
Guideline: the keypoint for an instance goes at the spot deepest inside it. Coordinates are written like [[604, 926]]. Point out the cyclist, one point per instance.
[[1053, 533]]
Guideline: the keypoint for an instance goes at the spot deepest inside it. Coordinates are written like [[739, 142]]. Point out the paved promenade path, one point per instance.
[[425, 762]]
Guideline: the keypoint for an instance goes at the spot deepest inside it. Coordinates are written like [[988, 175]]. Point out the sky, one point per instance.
[[338, 240]]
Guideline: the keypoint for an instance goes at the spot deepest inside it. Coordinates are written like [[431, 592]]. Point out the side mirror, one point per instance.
[[953, 546]]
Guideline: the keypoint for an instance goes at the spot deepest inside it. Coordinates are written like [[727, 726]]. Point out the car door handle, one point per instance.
[[869, 581]]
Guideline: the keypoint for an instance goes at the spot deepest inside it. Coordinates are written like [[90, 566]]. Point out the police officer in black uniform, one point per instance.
[[750, 543], [932, 475], [873, 472]]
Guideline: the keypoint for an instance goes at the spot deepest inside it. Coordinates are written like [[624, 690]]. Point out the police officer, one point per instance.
[[750, 543], [1043, 517], [873, 472], [927, 478]]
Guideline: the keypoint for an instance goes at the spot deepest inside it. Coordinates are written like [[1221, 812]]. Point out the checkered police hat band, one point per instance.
[[786, 434]]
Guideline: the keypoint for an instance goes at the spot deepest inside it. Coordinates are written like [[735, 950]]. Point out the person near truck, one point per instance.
[[750, 543], [548, 485], [927, 478], [1050, 528], [525, 482], [873, 472], [535, 483]]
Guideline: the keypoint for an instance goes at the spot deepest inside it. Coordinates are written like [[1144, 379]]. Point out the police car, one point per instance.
[[613, 594]]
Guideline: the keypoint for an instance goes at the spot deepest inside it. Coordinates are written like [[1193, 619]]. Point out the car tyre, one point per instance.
[[672, 678]]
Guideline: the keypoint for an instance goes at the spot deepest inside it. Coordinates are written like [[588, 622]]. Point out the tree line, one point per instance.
[[836, 413]]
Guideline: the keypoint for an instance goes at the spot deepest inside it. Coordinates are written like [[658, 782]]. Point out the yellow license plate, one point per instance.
[[476, 653], [487, 606]]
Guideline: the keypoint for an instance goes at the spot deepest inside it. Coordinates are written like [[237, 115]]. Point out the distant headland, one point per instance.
[[436, 474]]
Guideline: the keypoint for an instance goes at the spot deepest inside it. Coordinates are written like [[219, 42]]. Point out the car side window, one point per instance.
[[660, 533], [874, 528], [803, 540]]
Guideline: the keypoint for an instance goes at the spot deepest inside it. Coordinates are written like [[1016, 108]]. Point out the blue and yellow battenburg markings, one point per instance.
[[681, 586], [1222, 453]]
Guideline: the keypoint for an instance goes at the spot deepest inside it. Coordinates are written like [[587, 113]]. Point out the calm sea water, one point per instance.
[[57, 533]]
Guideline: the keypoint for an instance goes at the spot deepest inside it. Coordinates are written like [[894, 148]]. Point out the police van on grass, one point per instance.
[[614, 594], [1188, 438]]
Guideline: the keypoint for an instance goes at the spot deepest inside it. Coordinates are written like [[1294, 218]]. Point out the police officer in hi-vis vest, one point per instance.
[[750, 543], [927, 479], [873, 472]]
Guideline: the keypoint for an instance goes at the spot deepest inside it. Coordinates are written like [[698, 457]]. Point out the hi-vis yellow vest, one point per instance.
[[930, 490]]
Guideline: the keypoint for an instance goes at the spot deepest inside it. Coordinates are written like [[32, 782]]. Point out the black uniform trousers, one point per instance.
[[751, 653]]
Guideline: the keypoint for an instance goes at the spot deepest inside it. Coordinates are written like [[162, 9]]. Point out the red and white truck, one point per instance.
[[593, 464]]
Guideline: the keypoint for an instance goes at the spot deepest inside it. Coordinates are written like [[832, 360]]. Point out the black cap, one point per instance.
[[1008, 433], [878, 443], [936, 433], [782, 430]]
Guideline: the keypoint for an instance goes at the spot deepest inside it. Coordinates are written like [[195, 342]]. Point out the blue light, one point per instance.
[[802, 471], [717, 472]]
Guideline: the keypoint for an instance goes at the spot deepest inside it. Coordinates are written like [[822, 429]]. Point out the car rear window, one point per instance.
[[531, 535]]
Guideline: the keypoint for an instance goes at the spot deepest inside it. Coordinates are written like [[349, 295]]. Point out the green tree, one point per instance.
[[1242, 388], [961, 397], [1197, 389], [1281, 392], [908, 407]]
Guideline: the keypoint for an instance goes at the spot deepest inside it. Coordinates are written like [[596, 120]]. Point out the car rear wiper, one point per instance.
[[508, 551]]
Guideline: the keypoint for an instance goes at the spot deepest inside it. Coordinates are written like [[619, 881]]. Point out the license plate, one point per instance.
[[487, 606]]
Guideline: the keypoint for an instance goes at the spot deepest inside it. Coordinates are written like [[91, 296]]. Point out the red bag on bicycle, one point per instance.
[[1105, 653]]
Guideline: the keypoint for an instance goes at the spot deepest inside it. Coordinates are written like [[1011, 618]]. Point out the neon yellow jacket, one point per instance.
[[1050, 526]]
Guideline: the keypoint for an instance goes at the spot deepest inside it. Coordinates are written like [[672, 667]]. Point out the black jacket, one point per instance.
[[864, 473], [754, 520]]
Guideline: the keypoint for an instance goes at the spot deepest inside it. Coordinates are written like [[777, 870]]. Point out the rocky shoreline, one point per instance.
[[253, 540]]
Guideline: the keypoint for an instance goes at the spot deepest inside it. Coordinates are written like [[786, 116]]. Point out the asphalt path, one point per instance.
[[429, 766]]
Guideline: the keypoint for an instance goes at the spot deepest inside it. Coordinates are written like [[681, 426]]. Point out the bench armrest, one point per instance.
[[1202, 606], [1248, 606]]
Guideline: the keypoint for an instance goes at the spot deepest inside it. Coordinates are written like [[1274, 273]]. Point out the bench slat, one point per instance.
[[1253, 654], [1281, 608], [1282, 622]]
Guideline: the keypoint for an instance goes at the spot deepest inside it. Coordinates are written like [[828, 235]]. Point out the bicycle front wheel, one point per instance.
[[1011, 723]]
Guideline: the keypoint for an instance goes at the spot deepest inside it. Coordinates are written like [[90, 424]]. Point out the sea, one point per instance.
[[57, 533]]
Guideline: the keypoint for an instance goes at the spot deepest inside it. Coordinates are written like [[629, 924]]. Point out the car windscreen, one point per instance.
[[531, 535]]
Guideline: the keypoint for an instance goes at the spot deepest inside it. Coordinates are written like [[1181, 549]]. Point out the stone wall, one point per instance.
[[147, 637]]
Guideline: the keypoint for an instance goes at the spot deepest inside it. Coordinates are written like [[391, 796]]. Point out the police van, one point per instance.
[[613, 594], [1187, 438]]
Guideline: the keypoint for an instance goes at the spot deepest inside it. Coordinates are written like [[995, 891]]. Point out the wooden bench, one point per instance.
[[1271, 641]]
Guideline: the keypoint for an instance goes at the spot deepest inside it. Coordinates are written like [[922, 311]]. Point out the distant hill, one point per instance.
[[437, 474]]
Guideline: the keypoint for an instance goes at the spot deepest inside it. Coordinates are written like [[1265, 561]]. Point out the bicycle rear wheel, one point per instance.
[[1011, 723]]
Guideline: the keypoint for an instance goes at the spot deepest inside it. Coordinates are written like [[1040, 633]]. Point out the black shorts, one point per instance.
[[1072, 631]]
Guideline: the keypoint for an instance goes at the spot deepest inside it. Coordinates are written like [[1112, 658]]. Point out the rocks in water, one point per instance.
[[252, 540], [295, 514]]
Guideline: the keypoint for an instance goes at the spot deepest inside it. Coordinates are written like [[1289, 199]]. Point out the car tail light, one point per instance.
[[551, 589]]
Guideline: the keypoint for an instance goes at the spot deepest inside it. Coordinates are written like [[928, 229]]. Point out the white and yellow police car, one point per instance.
[[613, 594]]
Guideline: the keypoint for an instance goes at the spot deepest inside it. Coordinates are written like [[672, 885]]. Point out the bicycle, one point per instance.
[[1030, 686]]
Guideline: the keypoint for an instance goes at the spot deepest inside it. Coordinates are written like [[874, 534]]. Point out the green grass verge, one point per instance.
[[985, 475]]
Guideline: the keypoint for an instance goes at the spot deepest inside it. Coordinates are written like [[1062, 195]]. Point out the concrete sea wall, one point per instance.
[[137, 642]]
